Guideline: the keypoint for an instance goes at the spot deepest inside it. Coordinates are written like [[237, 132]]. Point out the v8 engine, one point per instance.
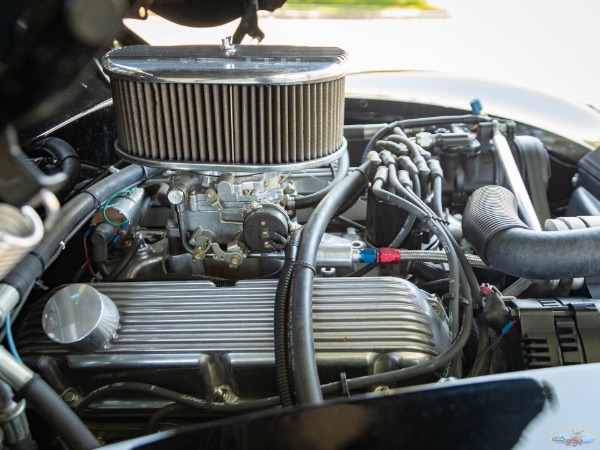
[[252, 244]]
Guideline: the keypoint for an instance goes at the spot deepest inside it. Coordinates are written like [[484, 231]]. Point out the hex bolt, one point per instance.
[[267, 245], [266, 184], [210, 194], [264, 234], [235, 260], [70, 397], [381, 388]]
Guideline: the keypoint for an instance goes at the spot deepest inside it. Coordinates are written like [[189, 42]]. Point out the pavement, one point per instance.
[[546, 45]]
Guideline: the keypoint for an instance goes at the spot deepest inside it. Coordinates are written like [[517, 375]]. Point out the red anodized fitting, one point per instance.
[[388, 255]]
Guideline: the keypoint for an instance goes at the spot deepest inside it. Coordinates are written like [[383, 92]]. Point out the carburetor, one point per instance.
[[225, 216], [228, 119]]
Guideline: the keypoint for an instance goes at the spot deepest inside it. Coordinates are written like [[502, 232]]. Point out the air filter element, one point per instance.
[[228, 107]]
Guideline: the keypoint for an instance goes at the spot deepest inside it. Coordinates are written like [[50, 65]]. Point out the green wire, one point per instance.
[[107, 204]]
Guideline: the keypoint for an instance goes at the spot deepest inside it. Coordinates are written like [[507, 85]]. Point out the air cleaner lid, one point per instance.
[[226, 64]]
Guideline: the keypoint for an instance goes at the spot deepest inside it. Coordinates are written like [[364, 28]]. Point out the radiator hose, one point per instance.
[[491, 224]]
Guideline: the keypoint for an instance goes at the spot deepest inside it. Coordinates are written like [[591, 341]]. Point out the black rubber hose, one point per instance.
[[473, 285], [492, 226], [283, 368], [125, 259], [484, 354], [163, 412], [428, 272], [372, 144], [45, 402], [24, 275], [306, 377], [344, 221], [308, 201], [67, 158], [90, 182], [414, 207], [436, 286], [424, 368], [456, 259], [349, 203], [242, 406], [443, 120]]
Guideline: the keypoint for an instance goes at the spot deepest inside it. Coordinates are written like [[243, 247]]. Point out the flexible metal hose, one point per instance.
[[439, 257]]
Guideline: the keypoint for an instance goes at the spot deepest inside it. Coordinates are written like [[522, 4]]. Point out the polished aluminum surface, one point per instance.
[[20, 231], [9, 298], [130, 205], [241, 64], [517, 185], [207, 166], [361, 326], [12, 372], [81, 317]]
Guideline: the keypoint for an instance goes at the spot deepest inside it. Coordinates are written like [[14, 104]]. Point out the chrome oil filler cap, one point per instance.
[[80, 317]]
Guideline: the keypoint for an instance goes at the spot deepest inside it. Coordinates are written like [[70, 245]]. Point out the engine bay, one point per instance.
[[252, 245]]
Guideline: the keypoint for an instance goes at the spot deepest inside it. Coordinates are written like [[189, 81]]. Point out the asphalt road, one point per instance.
[[543, 44]]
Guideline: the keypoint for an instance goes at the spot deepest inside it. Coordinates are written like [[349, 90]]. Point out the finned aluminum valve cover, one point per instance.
[[245, 108], [193, 336]]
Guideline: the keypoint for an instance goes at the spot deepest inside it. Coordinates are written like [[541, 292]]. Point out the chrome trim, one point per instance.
[[242, 64], [203, 166], [513, 175]]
